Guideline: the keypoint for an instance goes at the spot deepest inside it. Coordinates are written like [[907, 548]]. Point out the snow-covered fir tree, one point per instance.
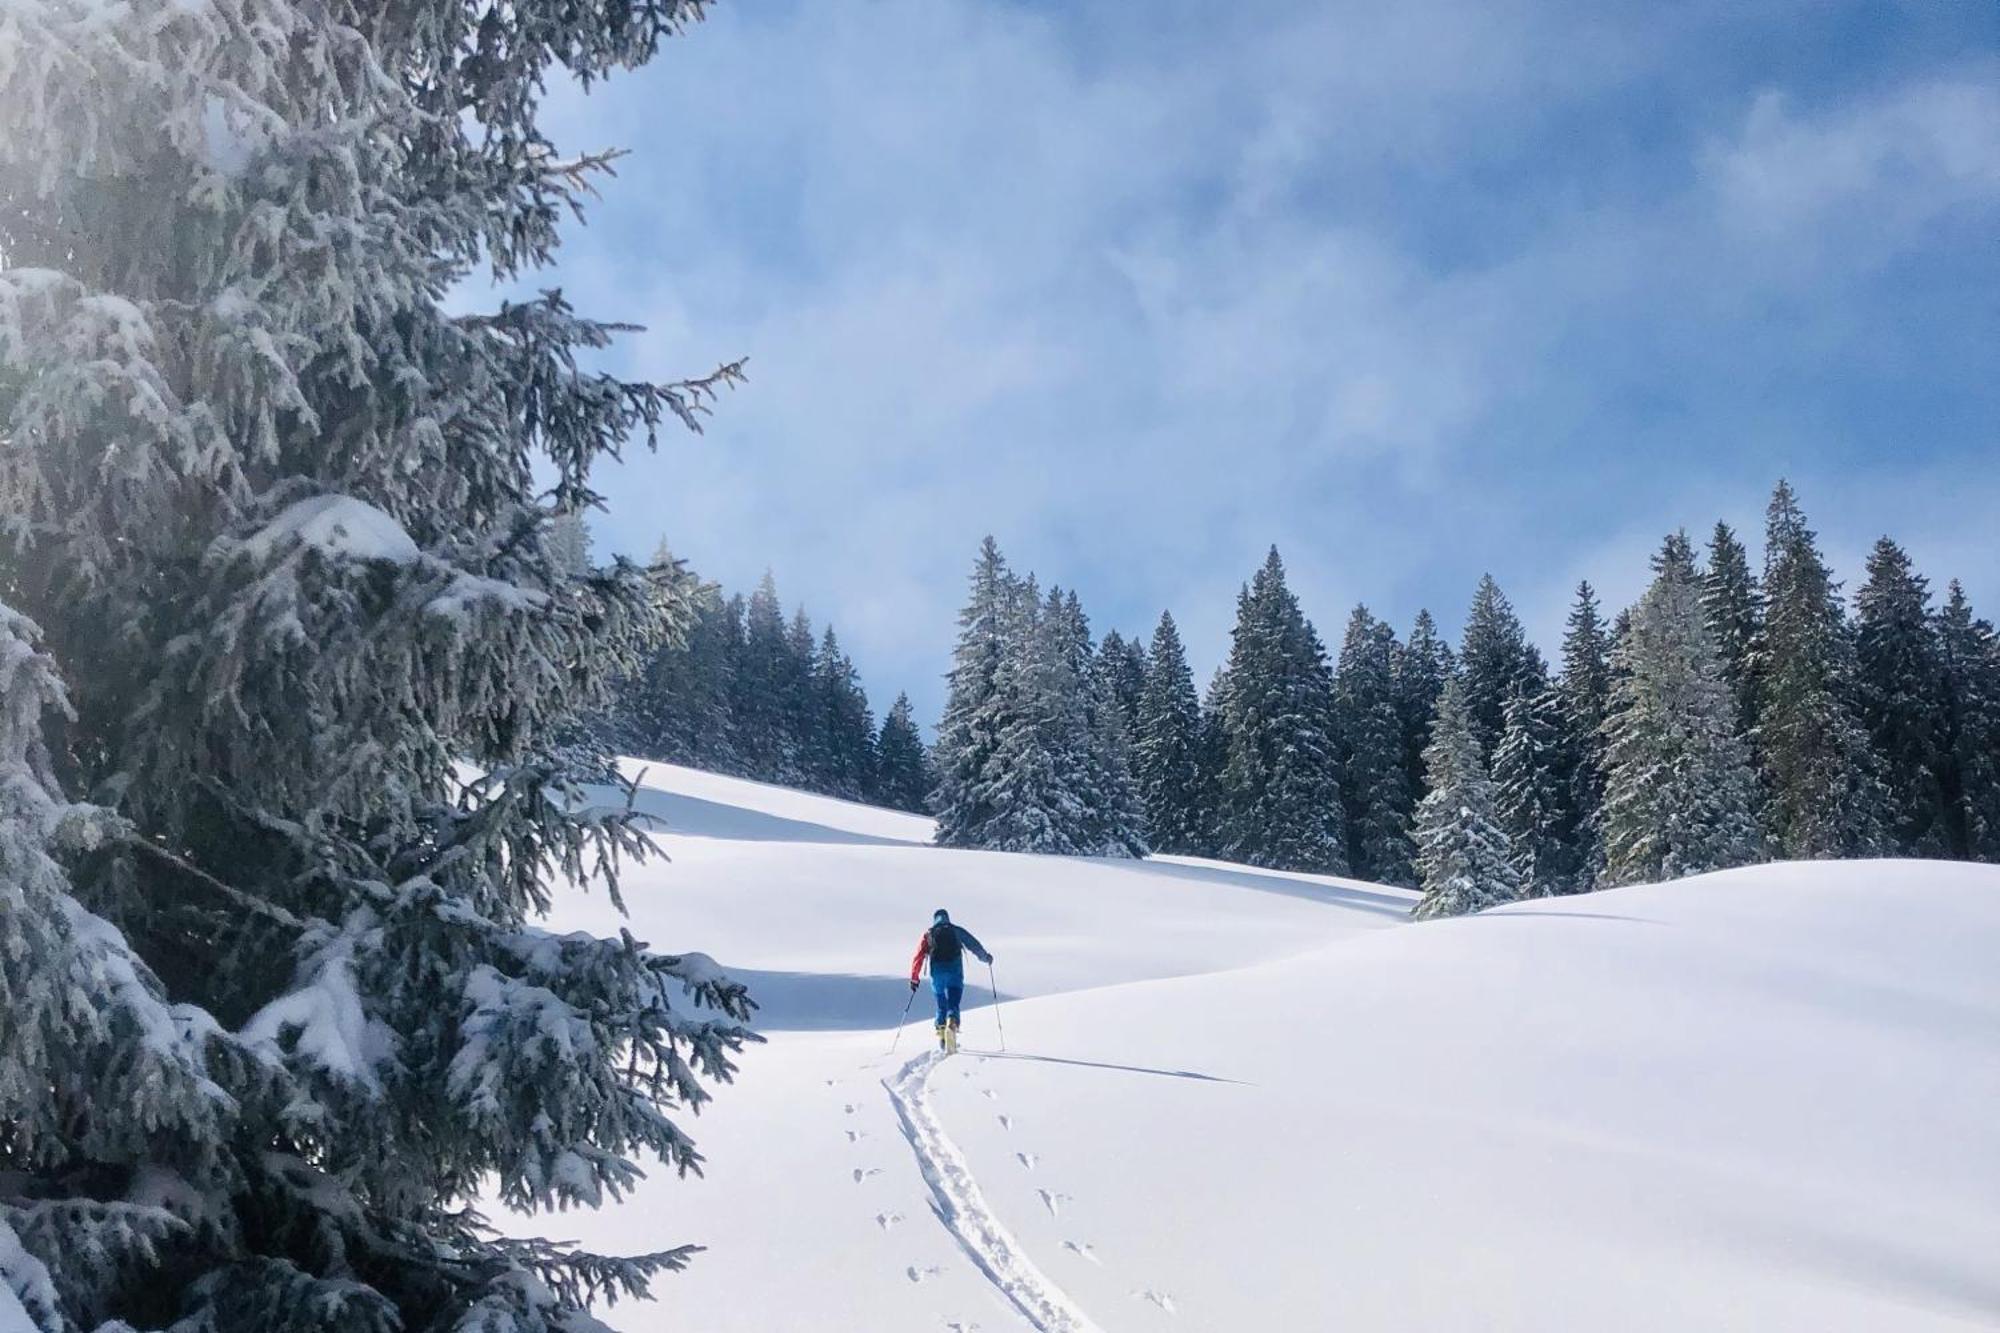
[[1032, 779], [801, 719], [1583, 703], [1121, 676], [1901, 690], [969, 732], [1970, 659], [1679, 793], [1423, 664], [278, 1012], [678, 709], [843, 762], [1368, 728], [1211, 762], [99, 1069], [1495, 660], [1115, 824], [765, 687], [1166, 748], [1032, 756], [1825, 796], [904, 777], [569, 544], [1534, 782], [1733, 606], [1464, 862], [810, 717], [1280, 776], [1045, 780]]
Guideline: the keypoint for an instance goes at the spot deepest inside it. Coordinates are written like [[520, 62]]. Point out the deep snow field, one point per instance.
[[1235, 1099]]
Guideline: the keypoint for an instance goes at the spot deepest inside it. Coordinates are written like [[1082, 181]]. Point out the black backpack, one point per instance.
[[944, 945]]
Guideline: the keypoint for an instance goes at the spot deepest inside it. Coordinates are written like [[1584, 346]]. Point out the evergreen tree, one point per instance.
[[1679, 796], [1733, 606], [1583, 704], [1464, 862], [1032, 754], [1211, 762], [969, 732], [734, 650], [1049, 788], [904, 777], [1121, 676], [807, 750], [845, 757], [1534, 782], [677, 709], [1368, 726], [1901, 690], [1969, 655], [569, 544], [271, 1030], [763, 688], [1826, 799], [1495, 659], [1423, 665], [1280, 778], [1166, 750], [1114, 821], [1032, 779]]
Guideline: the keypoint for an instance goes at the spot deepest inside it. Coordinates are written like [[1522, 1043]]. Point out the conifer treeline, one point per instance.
[[747, 692], [1725, 718]]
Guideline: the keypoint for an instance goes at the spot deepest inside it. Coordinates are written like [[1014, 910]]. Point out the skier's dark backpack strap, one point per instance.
[[944, 945]]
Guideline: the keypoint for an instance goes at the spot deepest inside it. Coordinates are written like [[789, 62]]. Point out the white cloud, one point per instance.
[[1142, 290], [1889, 164]]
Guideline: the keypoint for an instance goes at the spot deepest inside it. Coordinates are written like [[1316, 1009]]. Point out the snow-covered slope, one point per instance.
[[1233, 1099]]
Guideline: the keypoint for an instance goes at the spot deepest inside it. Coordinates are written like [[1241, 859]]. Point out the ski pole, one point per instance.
[[994, 987], [903, 1020]]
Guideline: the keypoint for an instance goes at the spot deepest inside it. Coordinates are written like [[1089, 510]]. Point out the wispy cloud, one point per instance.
[[1413, 291]]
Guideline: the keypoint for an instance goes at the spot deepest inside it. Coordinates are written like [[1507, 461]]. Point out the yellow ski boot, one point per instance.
[[951, 1039]]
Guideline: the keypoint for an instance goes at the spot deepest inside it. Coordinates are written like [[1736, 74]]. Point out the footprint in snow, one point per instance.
[[1159, 1298], [1006, 1121], [862, 1173], [887, 1220], [856, 1135], [833, 1083], [989, 1094], [1083, 1250], [1027, 1159], [916, 1274], [953, 1326], [848, 1108], [1053, 1201]]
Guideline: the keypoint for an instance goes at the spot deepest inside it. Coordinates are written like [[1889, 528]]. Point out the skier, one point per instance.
[[945, 945]]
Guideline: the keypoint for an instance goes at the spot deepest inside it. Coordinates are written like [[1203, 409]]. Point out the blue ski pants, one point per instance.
[[949, 988]]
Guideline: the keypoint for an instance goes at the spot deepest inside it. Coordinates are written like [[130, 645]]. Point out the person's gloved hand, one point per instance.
[[913, 983]]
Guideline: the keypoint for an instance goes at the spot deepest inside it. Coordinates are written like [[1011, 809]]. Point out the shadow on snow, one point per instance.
[[1279, 882], [1098, 1064], [694, 817], [842, 1001]]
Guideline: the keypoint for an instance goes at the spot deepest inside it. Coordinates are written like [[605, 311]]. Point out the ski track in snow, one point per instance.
[[958, 1203]]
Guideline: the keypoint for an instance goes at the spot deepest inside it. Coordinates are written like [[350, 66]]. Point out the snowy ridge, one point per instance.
[[959, 1205]]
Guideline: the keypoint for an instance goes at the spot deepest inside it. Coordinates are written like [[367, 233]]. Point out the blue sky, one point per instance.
[[1414, 291]]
